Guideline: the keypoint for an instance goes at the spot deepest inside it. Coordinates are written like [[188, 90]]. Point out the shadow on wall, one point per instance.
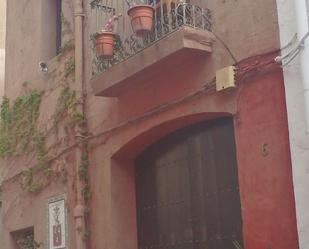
[[2, 62]]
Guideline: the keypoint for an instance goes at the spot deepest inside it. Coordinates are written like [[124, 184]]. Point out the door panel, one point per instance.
[[187, 190]]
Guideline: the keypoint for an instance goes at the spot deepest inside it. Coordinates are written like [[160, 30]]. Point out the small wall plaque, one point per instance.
[[57, 224]]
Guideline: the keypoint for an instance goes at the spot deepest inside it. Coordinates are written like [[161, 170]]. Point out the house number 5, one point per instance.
[[265, 149]]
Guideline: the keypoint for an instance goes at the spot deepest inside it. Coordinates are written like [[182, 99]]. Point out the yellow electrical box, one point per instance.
[[225, 78]]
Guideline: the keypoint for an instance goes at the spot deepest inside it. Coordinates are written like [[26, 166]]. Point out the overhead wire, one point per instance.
[[242, 71], [291, 55]]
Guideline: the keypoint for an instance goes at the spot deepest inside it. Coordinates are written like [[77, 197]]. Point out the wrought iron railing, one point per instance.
[[169, 16]]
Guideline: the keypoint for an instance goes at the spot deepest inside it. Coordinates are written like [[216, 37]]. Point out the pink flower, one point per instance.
[[109, 26]]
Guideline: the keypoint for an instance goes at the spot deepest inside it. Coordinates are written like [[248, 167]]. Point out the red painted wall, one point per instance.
[[265, 175], [263, 156]]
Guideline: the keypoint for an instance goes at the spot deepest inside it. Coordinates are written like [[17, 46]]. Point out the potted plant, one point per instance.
[[141, 15], [105, 39]]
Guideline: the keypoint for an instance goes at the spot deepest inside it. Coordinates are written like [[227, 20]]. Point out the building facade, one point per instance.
[[2, 68], [2, 44], [150, 147], [294, 27]]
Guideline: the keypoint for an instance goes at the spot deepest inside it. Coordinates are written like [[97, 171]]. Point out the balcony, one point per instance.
[[180, 31]]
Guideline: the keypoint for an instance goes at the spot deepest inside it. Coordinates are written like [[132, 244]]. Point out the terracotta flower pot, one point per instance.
[[105, 44], [141, 19]]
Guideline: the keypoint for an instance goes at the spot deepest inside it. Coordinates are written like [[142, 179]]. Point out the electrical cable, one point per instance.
[[295, 50], [209, 86], [292, 57], [226, 47]]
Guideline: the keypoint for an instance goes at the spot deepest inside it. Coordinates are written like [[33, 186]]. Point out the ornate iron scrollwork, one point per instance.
[[165, 22]]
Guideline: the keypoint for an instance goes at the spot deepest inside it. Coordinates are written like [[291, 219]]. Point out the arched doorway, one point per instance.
[[187, 191]]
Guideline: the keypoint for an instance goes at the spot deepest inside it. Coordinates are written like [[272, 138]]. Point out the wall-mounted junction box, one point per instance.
[[225, 78]]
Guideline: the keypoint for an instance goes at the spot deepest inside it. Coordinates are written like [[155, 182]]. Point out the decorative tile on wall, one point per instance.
[[57, 223]]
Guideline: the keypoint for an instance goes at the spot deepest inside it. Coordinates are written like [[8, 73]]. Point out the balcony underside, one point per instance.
[[148, 65]]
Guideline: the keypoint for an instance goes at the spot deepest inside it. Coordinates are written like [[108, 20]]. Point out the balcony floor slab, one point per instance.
[[144, 67]]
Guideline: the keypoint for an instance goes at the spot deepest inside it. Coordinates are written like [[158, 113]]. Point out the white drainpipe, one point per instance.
[[302, 30]]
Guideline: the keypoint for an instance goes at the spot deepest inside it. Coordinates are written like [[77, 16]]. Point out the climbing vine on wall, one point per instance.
[[18, 129], [66, 47], [66, 106], [69, 67], [19, 133], [66, 109]]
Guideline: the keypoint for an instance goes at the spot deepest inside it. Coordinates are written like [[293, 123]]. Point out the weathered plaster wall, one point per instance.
[[265, 168], [2, 22], [22, 209], [2, 68], [265, 180], [23, 41], [2, 44], [248, 28], [299, 142], [1, 94], [31, 40]]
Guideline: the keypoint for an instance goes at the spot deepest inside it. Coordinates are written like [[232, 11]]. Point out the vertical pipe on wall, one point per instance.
[[302, 30], [79, 211]]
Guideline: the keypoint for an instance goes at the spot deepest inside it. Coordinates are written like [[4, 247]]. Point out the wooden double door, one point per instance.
[[187, 190]]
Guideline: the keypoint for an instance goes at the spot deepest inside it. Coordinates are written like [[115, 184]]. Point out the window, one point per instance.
[[58, 24], [24, 239], [51, 28]]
